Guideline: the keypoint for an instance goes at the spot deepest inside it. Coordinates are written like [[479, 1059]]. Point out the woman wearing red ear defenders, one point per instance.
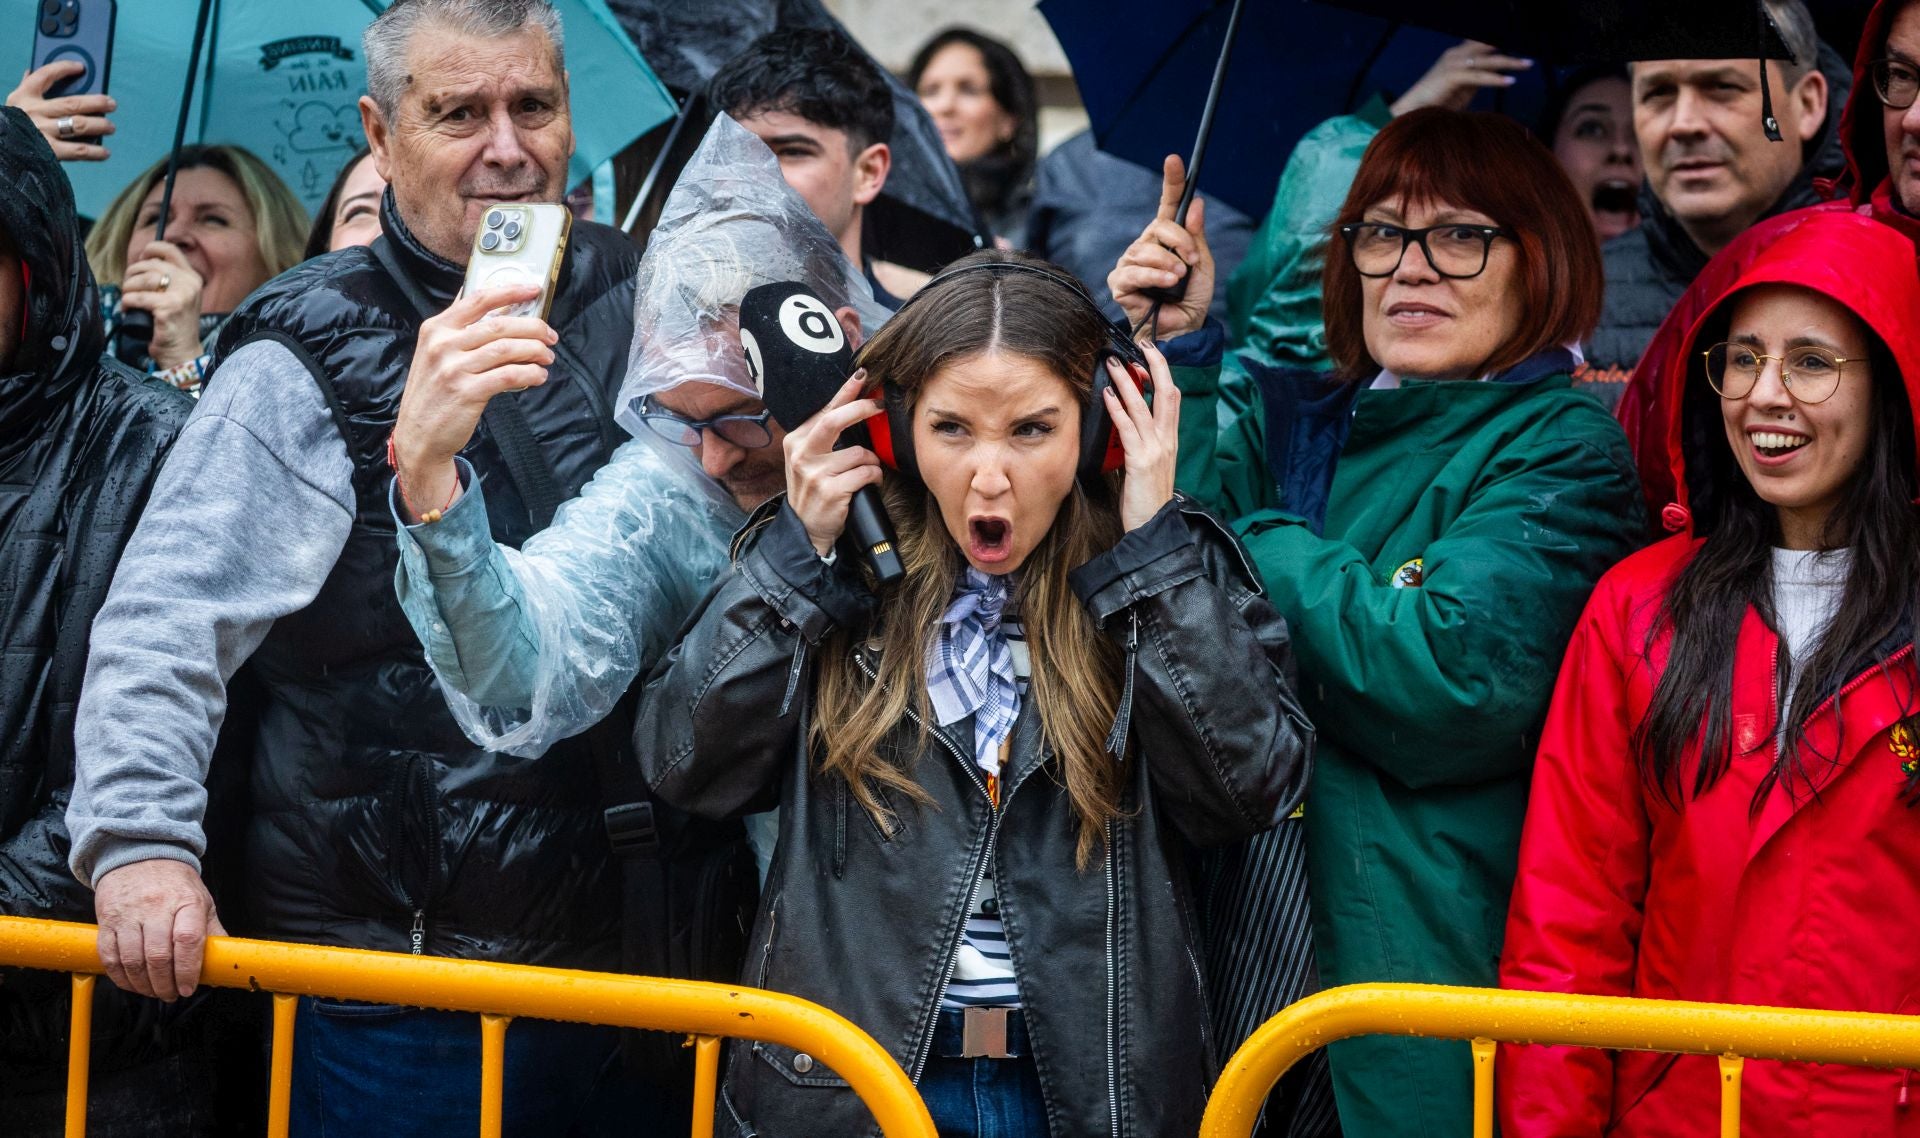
[[994, 772]]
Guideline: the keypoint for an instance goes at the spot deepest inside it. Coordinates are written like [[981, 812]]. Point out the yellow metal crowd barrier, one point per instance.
[[498, 993], [1486, 1016]]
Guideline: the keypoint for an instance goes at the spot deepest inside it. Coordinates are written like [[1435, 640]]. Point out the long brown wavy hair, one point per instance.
[[1075, 678]]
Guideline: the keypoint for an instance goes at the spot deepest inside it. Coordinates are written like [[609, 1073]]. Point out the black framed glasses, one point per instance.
[[747, 431], [1896, 81], [1811, 374], [1457, 251]]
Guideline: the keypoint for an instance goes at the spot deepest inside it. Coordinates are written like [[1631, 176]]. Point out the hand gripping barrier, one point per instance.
[[1485, 1016], [498, 993]]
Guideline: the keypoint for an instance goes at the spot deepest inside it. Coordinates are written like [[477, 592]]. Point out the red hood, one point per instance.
[[1862, 263], [1860, 133], [1865, 180]]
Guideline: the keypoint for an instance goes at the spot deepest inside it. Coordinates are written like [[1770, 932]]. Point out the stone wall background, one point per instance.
[[894, 29]]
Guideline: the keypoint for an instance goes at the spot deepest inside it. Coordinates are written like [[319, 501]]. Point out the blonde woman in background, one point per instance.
[[232, 226]]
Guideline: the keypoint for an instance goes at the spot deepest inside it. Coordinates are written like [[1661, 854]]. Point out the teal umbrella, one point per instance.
[[283, 77]]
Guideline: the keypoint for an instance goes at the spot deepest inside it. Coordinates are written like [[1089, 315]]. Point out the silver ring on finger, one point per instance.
[[63, 126], [166, 279]]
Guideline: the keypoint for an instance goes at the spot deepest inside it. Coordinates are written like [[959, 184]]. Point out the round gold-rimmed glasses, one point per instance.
[[1811, 374]]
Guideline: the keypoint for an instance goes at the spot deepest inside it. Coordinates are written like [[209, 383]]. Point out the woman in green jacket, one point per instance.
[[1429, 512]]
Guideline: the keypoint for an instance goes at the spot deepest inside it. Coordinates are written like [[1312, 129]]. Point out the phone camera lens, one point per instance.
[[489, 241], [495, 219], [512, 231], [51, 8]]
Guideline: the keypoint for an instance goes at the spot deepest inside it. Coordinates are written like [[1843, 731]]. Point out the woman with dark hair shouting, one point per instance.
[[1724, 803], [993, 772], [1429, 514]]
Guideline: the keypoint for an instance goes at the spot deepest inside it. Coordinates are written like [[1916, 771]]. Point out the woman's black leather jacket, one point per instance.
[[868, 923]]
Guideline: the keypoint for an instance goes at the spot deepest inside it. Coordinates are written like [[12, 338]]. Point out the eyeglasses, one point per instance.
[[1811, 374], [1896, 81], [1457, 251], [746, 431]]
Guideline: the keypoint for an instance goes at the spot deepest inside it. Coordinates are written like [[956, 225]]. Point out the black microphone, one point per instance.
[[798, 357]]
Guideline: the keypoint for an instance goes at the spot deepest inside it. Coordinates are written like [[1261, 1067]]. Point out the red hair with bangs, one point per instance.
[[1489, 163]]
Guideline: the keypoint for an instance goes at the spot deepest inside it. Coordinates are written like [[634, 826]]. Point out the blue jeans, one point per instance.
[[372, 1069], [982, 1098]]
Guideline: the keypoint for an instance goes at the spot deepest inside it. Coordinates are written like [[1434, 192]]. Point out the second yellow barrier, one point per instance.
[[1486, 1015]]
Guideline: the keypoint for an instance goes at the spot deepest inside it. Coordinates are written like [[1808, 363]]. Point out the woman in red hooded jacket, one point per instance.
[[1724, 801]]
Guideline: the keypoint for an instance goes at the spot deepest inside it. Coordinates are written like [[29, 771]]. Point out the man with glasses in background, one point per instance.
[[1881, 130]]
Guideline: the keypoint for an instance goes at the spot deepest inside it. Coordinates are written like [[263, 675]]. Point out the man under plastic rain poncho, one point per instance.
[[537, 644]]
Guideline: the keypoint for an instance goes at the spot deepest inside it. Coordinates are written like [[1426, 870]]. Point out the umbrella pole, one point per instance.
[[1206, 116], [180, 126], [137, 324], [659, 164], [1178, 290]]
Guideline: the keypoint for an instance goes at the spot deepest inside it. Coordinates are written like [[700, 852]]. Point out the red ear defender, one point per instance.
[[1116, 456], [880, 431]]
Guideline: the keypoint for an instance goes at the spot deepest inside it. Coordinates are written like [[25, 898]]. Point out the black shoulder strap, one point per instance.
[[526, 463], [320, 378]]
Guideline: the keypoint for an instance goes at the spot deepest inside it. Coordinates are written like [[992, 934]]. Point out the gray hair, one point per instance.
[[386, 39], [1796, 28]]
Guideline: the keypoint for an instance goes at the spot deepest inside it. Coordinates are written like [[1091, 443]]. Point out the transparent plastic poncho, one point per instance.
[[602, 592], [731, 224]]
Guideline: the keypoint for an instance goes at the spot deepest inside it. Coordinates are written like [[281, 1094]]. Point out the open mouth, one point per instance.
[[989, 538], [1616, 196], [1776, 444]]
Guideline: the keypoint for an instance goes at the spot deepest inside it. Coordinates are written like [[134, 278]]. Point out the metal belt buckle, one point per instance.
[[983, 1033]]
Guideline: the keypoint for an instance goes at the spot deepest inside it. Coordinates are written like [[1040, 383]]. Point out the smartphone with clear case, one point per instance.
[[520, 244]]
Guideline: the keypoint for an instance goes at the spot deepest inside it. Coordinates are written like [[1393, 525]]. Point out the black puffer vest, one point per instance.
[[376, 823]]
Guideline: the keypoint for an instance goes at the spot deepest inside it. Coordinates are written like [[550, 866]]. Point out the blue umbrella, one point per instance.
[[1143, 67], [283, 77]]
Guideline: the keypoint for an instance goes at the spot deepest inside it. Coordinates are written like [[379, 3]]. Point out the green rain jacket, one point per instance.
[[1431, 547]]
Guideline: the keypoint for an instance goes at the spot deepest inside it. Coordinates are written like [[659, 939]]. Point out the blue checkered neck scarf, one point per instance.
[[970, 666]]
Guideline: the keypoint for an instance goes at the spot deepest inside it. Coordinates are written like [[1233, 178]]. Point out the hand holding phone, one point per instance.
[[73, 125], [462, 359]]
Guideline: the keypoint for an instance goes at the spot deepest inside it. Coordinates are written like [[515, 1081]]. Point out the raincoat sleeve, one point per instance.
[[1578, 900], [34, 878], [1222, 462], [1274, 297], [1274, 308], [534, 645], [1433, 684]]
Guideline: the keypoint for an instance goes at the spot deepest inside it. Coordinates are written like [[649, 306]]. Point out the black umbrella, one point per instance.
[[1595, 31], [1605, 31], [922, 219]]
